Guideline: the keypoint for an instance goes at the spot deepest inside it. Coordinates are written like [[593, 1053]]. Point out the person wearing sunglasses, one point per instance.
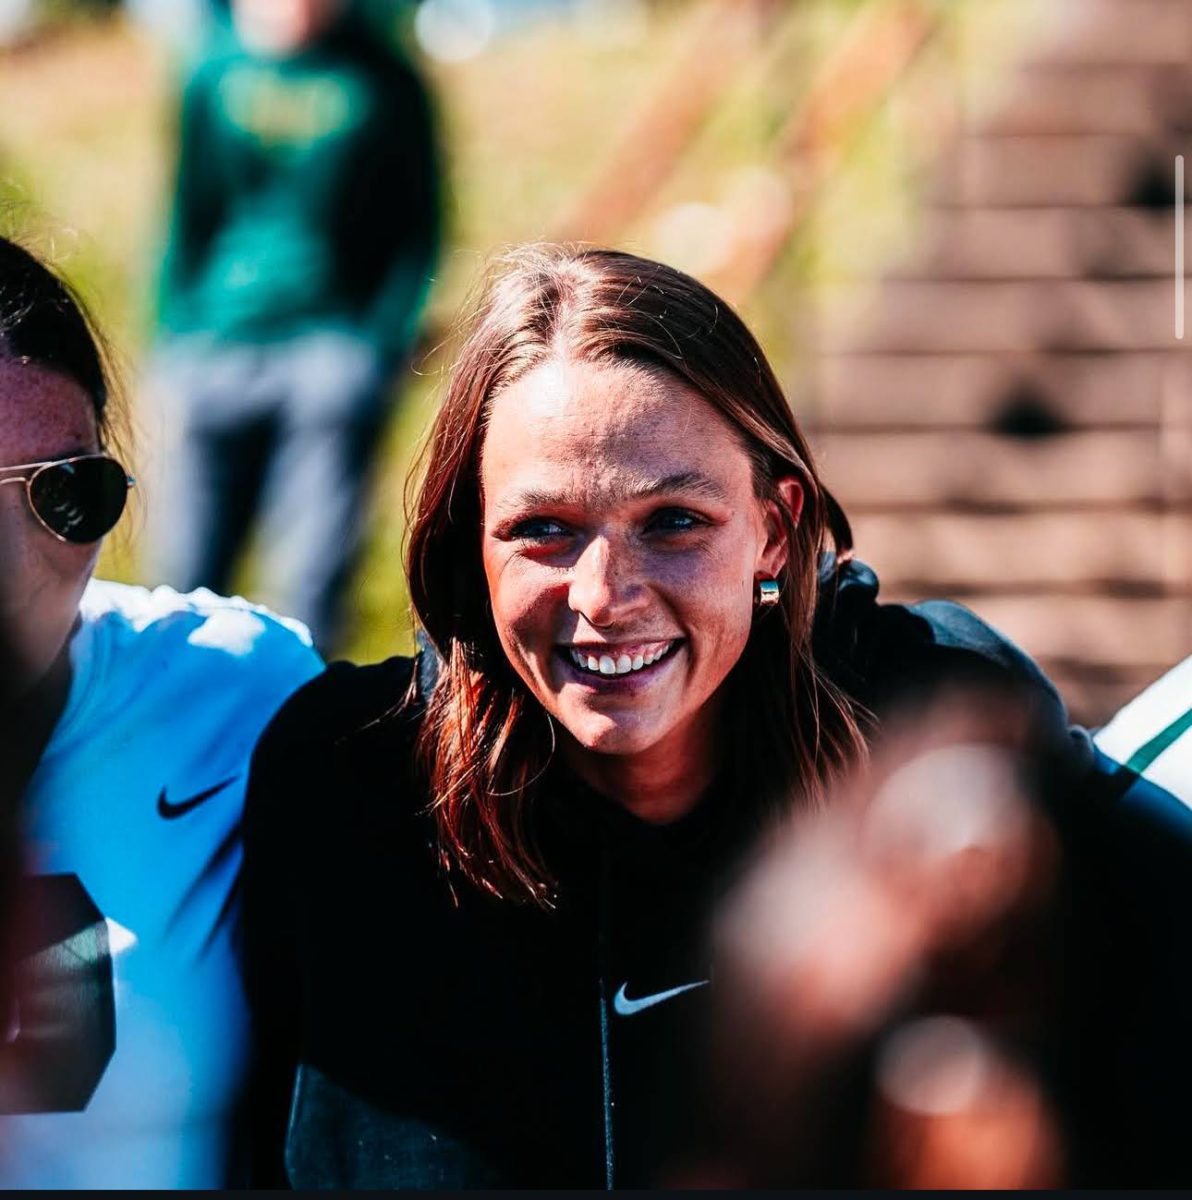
[[129, 716]]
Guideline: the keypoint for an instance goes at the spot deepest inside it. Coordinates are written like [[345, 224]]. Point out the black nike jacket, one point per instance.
[[415, 1038]]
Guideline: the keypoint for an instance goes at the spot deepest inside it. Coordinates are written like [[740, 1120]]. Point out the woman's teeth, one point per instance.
[[622, 664]]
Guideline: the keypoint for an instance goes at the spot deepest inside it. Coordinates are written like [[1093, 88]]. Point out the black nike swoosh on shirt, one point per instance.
[[173, 811]]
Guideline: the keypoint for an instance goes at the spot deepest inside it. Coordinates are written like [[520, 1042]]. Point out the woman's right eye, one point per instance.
[[539, 529]]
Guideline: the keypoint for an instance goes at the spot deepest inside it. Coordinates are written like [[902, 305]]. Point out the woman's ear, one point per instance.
[[776, 549]]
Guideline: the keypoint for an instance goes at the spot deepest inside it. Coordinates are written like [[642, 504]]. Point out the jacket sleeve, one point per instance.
[[295, 783], [279, 780]]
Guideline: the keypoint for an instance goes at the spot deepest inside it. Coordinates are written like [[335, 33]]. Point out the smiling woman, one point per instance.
[[616, 433], [476, 882]]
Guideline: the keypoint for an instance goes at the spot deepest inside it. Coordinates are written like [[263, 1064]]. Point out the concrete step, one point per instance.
[[1000, 317], [1054, 243], [1119, 31], [1063, 169], [890, 391], [1142, 553], [885, 472], [1129, 99]]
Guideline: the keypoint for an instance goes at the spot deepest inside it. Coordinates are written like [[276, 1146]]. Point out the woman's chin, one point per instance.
[[599, 733]]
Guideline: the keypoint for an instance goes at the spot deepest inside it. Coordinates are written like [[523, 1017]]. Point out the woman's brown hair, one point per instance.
[[483, 745]]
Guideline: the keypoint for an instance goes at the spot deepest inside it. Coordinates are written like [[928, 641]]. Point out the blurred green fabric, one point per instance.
[[307, 195]]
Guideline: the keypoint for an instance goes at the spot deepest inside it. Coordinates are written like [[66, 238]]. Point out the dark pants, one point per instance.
[[286, 431]]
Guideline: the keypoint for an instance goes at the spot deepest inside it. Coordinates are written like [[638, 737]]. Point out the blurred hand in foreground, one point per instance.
[[886, 983]]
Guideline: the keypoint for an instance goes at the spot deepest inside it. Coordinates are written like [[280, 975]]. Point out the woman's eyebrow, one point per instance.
[[683, 481]]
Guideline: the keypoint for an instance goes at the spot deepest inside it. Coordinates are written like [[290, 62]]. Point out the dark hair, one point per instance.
[[44, 322], [788, 730]]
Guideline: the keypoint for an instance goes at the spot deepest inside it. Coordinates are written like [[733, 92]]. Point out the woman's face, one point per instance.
[[621, 542], [43, 416]]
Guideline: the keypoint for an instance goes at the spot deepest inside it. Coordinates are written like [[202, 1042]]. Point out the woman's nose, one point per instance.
[[606, 584]]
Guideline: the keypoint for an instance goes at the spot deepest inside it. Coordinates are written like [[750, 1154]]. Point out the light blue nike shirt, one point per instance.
[[125, 1048]]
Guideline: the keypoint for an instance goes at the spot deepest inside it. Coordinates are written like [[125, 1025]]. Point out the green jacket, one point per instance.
[[307, 196]]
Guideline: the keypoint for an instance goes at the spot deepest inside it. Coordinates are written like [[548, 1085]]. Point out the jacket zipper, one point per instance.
[[606, 1066]]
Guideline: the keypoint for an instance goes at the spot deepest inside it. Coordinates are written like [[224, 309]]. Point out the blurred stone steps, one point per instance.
[[1001, 316], [1074, 98], [1007, 416], [1046, 243], [933, 391], [1123, 552], [1057, 170], [1110, 32], [977, 470]]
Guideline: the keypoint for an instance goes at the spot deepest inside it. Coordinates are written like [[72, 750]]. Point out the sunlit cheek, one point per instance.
[[525, 614]]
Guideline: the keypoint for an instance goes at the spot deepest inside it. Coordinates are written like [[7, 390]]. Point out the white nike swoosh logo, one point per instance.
[[625, 1007]]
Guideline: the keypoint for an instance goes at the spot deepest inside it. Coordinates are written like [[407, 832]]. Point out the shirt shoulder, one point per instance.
[[351, 717], [137, 649], [230, 625], [346, 699]]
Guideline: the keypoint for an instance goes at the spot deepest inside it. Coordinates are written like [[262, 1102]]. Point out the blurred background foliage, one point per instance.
[[784, 145]]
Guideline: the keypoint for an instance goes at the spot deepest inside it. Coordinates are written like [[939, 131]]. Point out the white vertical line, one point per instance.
[[1179, 246]]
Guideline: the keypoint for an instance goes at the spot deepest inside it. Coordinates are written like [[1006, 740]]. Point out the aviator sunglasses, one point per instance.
[[76, 499]]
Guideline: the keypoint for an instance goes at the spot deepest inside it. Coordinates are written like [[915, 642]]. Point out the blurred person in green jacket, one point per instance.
[[304, 229]]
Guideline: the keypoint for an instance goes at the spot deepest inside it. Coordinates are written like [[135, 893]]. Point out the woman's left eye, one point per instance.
[[674, 520]]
